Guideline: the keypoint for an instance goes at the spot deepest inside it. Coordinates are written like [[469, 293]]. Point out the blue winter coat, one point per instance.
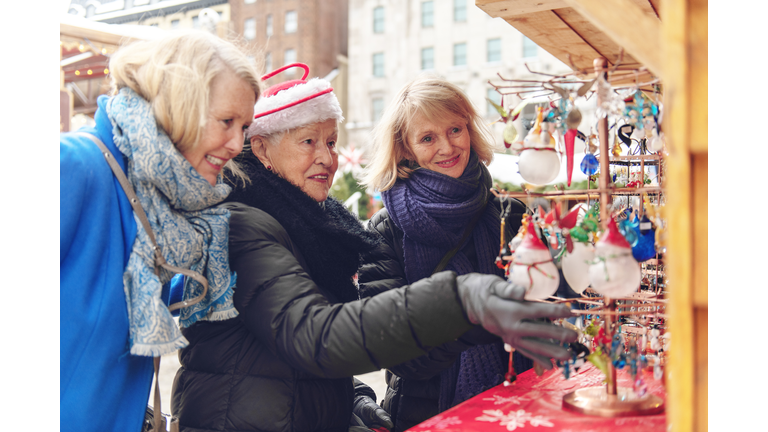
[[102, 386]]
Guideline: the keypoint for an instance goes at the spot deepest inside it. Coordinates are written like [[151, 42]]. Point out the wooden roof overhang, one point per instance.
[[577, 32]]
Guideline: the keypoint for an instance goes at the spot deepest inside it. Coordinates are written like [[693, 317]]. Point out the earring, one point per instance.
[[269, 167]]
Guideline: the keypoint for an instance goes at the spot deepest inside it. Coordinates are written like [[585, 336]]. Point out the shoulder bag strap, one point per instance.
[[134, 200], [159, 419], [444, 262]]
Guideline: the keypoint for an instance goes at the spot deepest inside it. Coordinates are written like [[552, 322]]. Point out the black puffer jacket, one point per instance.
[[286, 362], [413, 388]]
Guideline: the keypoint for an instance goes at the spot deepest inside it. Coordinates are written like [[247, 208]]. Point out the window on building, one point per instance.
[[288, 58], [291, 23], [378, 19], [175, 24], [494, 50], [269, 25], [495, 96], [250, 1], [249, 29], [427, 58], [460, 54], [378, 64], [460, 10], [196, 22], [377, 108], [268, 63], [530, 49], [427, 14], [153, 25]]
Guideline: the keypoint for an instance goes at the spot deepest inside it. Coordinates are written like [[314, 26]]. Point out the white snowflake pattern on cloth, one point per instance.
[[499, 400], [514, 419], [438, 422]]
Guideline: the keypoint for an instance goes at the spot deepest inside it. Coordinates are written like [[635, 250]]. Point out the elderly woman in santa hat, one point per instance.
[[286, 363]]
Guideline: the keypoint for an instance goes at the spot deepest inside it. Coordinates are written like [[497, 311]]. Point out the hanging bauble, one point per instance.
[[539, 166], [510, 132], [589, 164], [645, 248], [614, 272], [656, 142], [539, 163], [532, 267], [576, 266]]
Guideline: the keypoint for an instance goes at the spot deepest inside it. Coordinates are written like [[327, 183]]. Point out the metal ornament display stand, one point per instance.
[[609, 400]]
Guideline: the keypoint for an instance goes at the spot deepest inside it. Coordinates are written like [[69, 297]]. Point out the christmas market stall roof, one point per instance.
[[669, 40], [85, 49], [577, 31]]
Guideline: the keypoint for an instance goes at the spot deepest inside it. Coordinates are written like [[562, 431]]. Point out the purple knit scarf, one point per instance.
[[433, 210]]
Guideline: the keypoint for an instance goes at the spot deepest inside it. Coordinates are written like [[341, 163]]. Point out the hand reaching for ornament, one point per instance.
[[500, 307]]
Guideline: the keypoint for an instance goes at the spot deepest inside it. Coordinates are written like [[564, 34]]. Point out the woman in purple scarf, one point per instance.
[[428, 161]]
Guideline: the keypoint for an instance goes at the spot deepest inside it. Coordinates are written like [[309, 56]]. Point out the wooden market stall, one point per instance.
[[669, 39], [85, 50]]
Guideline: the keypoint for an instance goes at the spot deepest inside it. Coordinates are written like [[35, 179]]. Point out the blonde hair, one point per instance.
[[435, 99], [174, 74]]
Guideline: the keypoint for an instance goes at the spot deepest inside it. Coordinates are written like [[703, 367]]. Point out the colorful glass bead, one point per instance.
[[589, 164]]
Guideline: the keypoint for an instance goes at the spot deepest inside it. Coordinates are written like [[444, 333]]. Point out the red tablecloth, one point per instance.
[[534, 403]]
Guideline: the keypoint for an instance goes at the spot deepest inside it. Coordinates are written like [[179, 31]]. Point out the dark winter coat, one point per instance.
[[286, 362], [413, 388]]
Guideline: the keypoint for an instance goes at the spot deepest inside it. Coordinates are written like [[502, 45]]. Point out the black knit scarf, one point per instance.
[[328, 236]]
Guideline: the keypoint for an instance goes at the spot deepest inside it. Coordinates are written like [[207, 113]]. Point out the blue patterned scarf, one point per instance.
[[432, 210], [177, 200]]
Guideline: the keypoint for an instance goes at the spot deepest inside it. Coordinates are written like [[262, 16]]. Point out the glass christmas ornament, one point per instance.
[[539, 166], [539, 163], [532, 267], [645, 248], [589, 164], [614, 272], [510, 132], [656, 142], [576, 266]]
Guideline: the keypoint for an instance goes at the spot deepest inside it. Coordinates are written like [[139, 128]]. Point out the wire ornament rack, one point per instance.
[[608, 401]]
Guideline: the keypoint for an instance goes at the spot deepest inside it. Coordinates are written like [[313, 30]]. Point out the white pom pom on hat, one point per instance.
[[292, 104]]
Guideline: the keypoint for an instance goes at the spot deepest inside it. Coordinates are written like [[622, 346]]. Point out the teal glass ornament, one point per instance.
[[589, 164]]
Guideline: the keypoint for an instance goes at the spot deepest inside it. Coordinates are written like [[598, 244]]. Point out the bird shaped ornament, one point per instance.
[[614, 272], [532, 267], [539, 163]]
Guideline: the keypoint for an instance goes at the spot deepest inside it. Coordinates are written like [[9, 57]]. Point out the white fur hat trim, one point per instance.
[[314, 110]]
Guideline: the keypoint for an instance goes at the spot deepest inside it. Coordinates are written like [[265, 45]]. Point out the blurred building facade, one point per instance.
[[392, 42]]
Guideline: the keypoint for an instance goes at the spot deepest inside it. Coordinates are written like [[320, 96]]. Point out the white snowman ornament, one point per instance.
[[539, 163], [614, 272], [532, 267]]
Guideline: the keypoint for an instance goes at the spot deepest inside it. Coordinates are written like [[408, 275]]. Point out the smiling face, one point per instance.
[[306, 157], [229, 115], [441, 145]]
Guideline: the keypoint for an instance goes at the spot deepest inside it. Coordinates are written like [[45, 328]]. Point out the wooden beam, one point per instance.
[[699, 59], [549, 32], [94, 36], [641, 39], [507, 8], [592, 36]]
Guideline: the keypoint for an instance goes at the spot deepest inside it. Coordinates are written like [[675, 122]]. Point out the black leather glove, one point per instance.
[[501, 309], [371, 413]]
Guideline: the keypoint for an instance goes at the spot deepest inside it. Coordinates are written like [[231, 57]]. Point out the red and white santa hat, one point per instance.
[[612, 236], [293, 104]]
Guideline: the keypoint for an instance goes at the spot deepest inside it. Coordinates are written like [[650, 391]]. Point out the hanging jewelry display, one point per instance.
[[600, 246]]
